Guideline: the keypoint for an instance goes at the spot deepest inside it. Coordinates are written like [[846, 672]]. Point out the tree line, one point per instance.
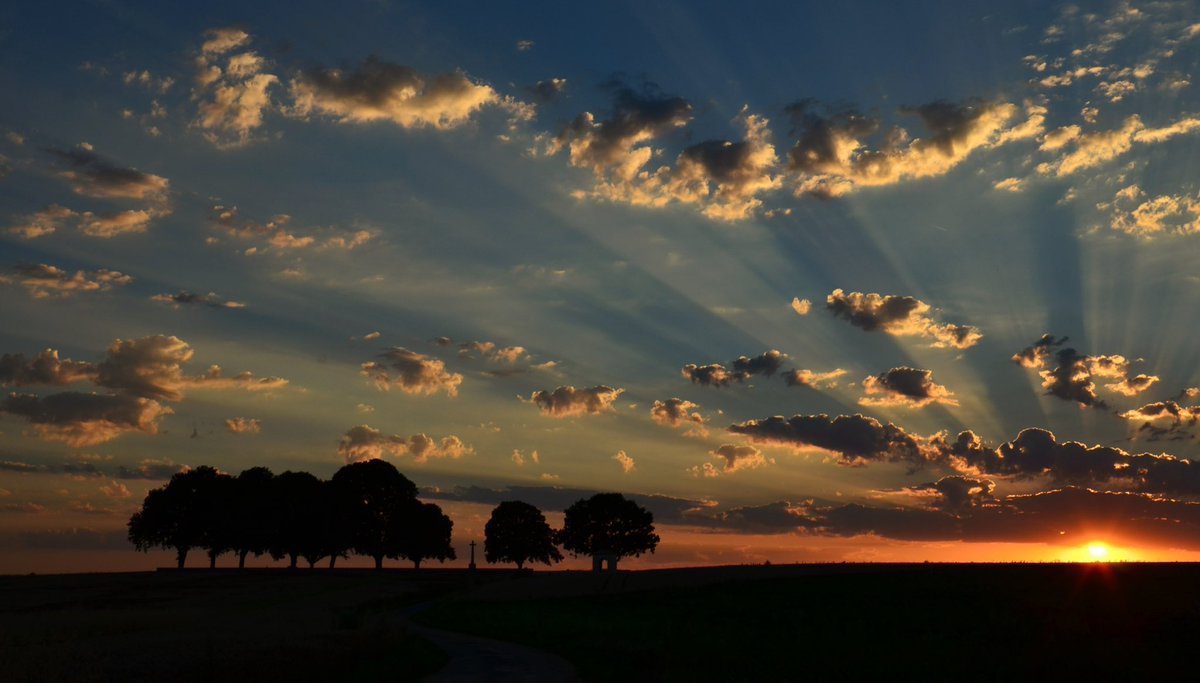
[[368, 508], [371, 509]]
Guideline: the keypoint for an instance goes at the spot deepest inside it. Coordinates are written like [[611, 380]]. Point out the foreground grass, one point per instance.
[[934, 622], [193, 626]]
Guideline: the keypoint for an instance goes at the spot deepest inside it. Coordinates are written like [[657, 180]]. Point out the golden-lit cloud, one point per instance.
[[232, 91], [625, 461], [567, 401], [1069, 376], [675, 412], [78, 419], [367, 443], [243, 425], [44, 281], [899, 316], [412, 373], [904, 387], [813, 379], [378, 90]]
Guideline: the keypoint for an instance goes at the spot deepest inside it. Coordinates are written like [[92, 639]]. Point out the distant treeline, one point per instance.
[[368, 508]]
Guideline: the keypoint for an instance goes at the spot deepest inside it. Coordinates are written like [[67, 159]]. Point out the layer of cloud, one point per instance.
[[186, 298], [367, 443], [45, 281]]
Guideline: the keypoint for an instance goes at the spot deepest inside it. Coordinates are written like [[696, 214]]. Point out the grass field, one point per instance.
[[906, 622], [805, 622], [271, 625]]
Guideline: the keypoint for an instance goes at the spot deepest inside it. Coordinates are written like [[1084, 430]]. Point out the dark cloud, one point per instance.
[[909, 387], [412, 373], [45, 368], [666, 509], [92, 175], [186, 298], [1164, 420], [570, 402], [1070, 377], [821, 135], [739, 457], [957, 493], [380, 90], [80, 419], [674, 412], [856, 439], [151, 469], [900, 316], [743, 368], [635, 117]]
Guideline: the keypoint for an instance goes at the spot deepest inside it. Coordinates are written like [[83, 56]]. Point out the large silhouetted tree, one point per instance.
[[608, 525], [296, 499], [421, 533], [518, 532], [217, 509], [179, 515], [374, 497], [253, 513]]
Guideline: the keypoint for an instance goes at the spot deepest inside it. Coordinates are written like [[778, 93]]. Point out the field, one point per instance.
[[803, 622]]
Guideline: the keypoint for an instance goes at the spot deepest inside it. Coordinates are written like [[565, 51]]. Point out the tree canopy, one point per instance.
[[518, 532], [608, 524]]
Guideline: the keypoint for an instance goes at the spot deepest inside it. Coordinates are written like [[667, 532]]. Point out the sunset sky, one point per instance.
[[539, 252]]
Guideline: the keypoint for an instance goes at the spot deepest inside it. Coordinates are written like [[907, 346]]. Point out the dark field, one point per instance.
[[808, 622]]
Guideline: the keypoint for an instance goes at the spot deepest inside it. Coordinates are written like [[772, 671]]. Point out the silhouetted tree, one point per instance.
[[374, 497], [608, 524], [422, 532], [329, 535], [518, 532], [253, 514], [296, 502], [178, 515], [216, 505]]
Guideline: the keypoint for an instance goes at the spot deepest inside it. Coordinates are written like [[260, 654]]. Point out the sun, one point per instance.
[[1098, 552]]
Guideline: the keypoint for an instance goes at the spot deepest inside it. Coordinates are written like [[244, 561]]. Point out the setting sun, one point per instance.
[[1098, 552]]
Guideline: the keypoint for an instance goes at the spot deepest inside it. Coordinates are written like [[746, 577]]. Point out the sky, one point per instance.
[[811, 281]]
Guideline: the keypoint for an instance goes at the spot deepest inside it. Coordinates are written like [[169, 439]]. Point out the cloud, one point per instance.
[[128, 222], [45, 368], [739, 457], [627, 465], [549, 89], [274, 235], [666, 509], [813, 379], [186, 298], [904, 387], [231, 91], [899, 316], [801, 306], [243, 425], [44, 222], [152, 469], [743, 368], [675, 412], [615, 147], [412, 373], [571, 402], [1095, 148], [855, 439], [116, 490], [378, 90], [1070, 378], [44, 281], [80, 419], [956, 493], [1135, 213], [91, 175], [1164, 420], [367, 443], [831, 157]]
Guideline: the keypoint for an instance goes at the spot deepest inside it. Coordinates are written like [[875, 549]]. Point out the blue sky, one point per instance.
[[602, 198]]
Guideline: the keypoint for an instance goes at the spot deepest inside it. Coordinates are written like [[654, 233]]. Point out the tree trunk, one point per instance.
[[520, 564], [293, 558], [417, 563], [332, 561], [379, 561], [180, 556], [242, 559], [212, 560]]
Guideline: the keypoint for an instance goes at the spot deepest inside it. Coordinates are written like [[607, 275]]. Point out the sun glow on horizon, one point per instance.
[[1098, 551]]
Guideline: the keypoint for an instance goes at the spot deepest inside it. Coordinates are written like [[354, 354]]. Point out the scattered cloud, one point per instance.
[[412, 373], [813, 379], [904, 387], [627, 465], [899, 316], [45, 281], [567, 401], [243, 425], [186, 298], [1070, 377]]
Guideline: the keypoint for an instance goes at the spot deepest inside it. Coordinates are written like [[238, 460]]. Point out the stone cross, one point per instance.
[[472, 565]]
